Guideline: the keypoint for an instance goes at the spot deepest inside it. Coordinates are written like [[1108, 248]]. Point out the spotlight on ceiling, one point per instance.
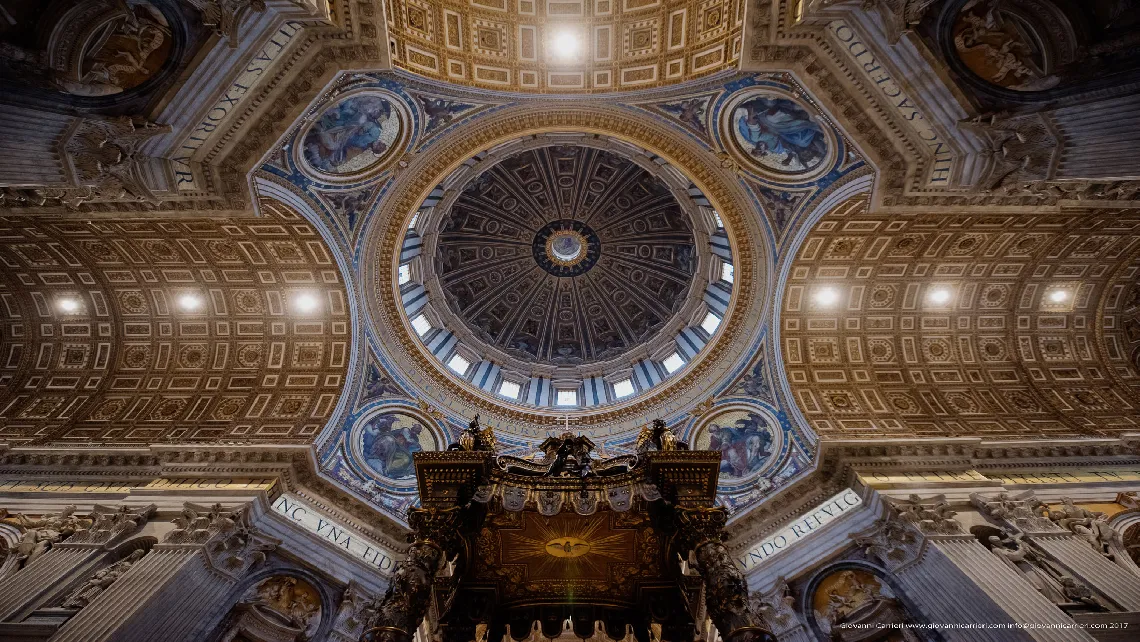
[[939, 296], [1058, 296], [305, 302], [189, 302], [826, 297], [68, 305], [564, 44]]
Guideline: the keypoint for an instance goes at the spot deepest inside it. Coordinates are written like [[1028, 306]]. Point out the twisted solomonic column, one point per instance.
[[701, 530], [436, 538]]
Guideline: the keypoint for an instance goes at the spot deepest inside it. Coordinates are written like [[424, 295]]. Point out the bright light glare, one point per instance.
[[189, 302], [459, 364], [305, 302], [1058, 296], [941, 295], [623, 388], [826, 296], [567, 398], [726, 272], [711, 323], [405, 273], [564, 44], [421, 325], [68, 305], [673, 363], [510, 389]]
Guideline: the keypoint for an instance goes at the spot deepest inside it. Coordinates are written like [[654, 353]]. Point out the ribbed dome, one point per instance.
[[565, 255]]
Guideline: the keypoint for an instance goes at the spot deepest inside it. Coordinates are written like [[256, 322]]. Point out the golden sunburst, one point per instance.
[[569, 549]]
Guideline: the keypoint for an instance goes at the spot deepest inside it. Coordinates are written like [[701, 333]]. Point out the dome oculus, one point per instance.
[[566, 248]]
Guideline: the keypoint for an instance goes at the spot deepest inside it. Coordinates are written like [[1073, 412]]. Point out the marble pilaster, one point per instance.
[[1093, 569], [194, 568], [1012, 593]]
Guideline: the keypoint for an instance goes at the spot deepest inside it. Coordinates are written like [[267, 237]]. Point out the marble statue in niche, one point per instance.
[[1002, 46], [388, 442], [353, 135], [778, 134], [744, 439], [101, 580]]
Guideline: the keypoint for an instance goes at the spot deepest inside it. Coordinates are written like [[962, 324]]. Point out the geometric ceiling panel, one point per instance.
[[1004, 326], [141, 331]]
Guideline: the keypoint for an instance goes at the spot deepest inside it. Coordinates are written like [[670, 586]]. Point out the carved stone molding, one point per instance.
[[232, 544], [900, 16], [1022, 511], [111, 525], [778, 608], [353, 611], [932, 515], [1021, 149], [39, 535], [225, 16], [1093, 527], [892, 543]]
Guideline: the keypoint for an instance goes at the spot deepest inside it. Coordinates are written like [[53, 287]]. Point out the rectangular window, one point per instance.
[[726, 271], [510, 389], [405, 273], [673, 363], [716, 215], [415, 219], [623, 388], [711, 323], [566, 398], [459, 364], [421, 325]]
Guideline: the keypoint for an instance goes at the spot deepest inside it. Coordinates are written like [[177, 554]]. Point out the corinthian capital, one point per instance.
[[232, 544]]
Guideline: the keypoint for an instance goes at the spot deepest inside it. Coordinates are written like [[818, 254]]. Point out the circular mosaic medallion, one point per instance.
[[748, 441], [777, 136], [388, 440], [566, 247], [358, 134]]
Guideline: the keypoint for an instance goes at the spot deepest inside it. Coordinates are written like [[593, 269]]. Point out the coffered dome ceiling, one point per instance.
[[565, 256]]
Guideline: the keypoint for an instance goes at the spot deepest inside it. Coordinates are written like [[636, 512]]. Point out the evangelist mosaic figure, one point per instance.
[[389, 444], [351, 135], [779, 134], [744, 445]]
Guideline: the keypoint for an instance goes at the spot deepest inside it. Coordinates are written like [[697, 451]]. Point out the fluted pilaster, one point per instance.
[[944, 594], [138, 607], [42, 575], [1013, 594], [1093, 569]]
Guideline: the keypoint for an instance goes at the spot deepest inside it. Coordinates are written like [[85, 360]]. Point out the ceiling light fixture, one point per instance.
[[939, 296], [305, 302], [68, 305], [189, 302], [826, 297], [564, 44], [1058, 296]]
